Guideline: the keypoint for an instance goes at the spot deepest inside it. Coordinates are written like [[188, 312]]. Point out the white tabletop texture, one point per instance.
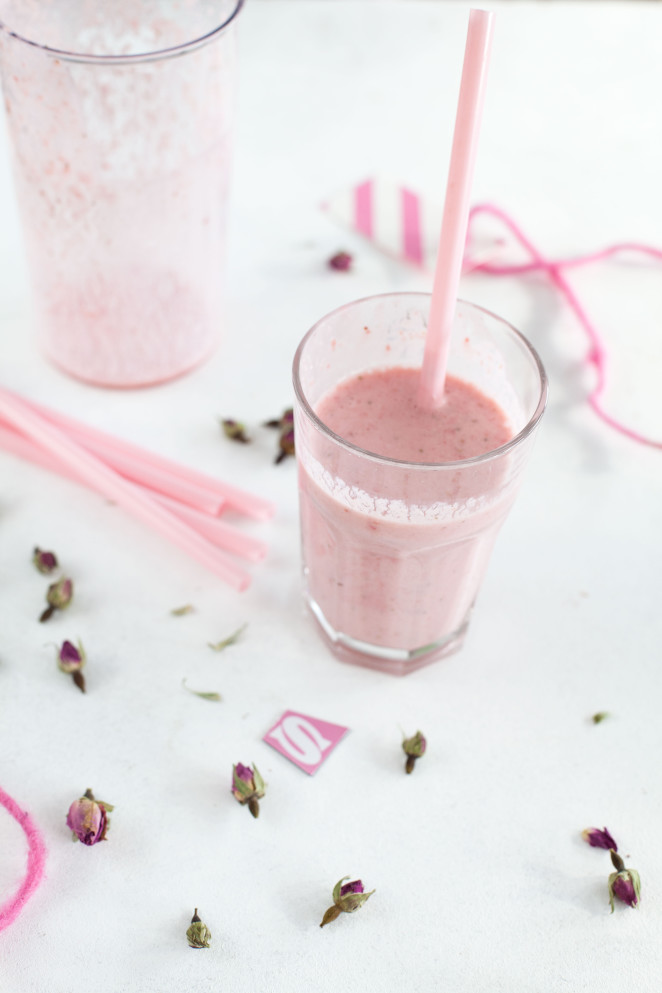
[[483, 883]]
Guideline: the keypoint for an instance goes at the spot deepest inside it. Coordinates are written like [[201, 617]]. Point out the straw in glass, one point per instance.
[[456, 207]]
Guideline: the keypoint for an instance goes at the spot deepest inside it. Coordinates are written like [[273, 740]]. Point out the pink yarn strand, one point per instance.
[[36, 861], [553, 269]]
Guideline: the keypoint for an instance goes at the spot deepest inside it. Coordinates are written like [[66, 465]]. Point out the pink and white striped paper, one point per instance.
[[391, 216]]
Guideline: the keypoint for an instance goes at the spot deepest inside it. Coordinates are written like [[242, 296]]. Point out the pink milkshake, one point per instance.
[[400, 505]]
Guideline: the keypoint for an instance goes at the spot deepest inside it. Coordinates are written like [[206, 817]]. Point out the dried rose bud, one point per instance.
[[341, 261], [198, 934], [413, 748], [88, 819], [599, 839], [285, 427], [58, 596], [285, 421], [347, 897], [624, 884], [235, 431], [71, 659], [248, 786], [285, 445], [45, 562]]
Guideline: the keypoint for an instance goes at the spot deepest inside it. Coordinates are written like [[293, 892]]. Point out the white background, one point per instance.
[[482, 880]]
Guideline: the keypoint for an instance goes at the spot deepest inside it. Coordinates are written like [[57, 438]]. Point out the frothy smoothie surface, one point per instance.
[[379, 412]]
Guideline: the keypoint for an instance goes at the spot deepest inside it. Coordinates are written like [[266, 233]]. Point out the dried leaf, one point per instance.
[[201, 693], [220, 645]]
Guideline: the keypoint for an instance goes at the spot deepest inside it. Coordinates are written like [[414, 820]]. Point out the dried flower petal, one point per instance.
[[599, 839], [230, 640], [198, 934], [347, 897], [235, 431], [624, 889], [341, 261], [244, 772], [355, 887], [204, 695], [45, 562], [88, 819]]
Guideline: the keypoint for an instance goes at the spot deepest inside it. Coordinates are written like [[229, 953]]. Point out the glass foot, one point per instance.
[[396, 661]]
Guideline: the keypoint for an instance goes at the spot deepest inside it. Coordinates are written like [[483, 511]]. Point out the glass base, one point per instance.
[[396, 661], [144, 381]]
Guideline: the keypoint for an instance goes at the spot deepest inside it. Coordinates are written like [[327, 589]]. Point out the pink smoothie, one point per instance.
[[394, 554], [379, 411]]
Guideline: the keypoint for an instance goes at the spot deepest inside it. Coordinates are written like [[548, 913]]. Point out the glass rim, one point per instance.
[[156, 55], [494, 453]]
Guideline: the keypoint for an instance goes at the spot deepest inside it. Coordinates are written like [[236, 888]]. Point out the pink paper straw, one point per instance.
[[181, 487], [217, 532], [456, 207], [129, 496], [158, 473]]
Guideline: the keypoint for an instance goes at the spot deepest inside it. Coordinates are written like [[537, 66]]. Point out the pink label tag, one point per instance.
[[306, 741]]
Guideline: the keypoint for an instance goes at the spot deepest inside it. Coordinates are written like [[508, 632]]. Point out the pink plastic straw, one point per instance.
[[216, 531], [456, 207], [178, 487], [140, 467], [158, 473], [129, 496]]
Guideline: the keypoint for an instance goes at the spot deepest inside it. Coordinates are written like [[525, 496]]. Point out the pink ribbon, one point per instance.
[[554, 270], [10, 910]]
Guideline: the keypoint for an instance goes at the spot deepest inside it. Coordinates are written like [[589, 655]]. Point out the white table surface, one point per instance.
[[482, 880]]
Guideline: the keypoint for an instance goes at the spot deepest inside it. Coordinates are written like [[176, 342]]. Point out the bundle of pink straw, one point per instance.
[[180, 503]]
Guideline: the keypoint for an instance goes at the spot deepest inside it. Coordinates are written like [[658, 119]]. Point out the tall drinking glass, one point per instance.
[[120, 116], [395, 550]]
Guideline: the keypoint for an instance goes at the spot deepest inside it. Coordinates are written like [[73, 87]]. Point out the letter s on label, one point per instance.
[[301, 740]]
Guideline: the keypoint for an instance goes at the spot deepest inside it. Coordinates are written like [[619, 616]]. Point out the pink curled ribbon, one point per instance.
[[554, 270], [36, 861]]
